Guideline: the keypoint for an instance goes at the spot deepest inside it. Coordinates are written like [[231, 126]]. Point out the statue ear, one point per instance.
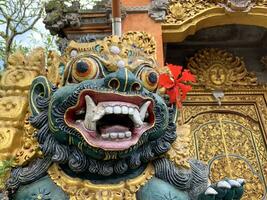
[[40, 92]]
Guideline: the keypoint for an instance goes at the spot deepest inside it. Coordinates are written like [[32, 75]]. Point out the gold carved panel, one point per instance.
[[16, 136], [219, 69], [231, 138]]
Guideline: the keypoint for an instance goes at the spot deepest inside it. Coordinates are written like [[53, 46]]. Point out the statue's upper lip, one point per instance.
[[110, 120]]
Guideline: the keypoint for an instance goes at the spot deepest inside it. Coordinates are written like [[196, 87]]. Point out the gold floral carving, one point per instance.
[[141, 40], [30, 148], [230, 138], [79, 189], [188, 16], [16, 136], [180, 149], [218, 69], [190, 8], [53, 63]]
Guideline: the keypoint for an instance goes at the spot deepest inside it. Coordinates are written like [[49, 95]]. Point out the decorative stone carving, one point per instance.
[[158, 9], [59, 16], [180, 11], [237, 5]]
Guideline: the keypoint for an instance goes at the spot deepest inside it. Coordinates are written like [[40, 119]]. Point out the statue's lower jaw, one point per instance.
[[113, 144]]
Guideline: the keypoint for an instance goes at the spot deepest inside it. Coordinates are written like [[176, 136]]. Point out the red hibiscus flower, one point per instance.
[[176, 83]]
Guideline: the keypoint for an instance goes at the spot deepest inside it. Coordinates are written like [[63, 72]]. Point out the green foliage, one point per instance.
[[5, 167], [48, 41]]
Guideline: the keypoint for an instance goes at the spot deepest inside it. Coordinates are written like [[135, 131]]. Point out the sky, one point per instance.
[[25, 39]]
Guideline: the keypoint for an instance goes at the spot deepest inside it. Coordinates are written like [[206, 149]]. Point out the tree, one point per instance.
[[17, 17]]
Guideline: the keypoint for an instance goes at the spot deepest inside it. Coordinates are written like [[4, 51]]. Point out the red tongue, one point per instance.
[[112, 129]]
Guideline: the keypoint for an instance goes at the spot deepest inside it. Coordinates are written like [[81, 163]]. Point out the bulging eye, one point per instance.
[[85, 69], [149, 78]]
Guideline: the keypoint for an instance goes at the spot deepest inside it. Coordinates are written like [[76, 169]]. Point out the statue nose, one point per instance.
[[123, 81]]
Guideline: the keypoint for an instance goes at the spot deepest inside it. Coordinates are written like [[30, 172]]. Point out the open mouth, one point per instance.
[[111, 121]]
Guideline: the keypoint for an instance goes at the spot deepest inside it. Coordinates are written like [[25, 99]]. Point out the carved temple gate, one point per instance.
[[227, 115]]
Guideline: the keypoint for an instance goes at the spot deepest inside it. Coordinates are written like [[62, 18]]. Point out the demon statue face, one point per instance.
[[106, 124]]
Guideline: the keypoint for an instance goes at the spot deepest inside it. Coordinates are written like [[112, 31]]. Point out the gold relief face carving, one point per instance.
[[217, 75], [218, 69]]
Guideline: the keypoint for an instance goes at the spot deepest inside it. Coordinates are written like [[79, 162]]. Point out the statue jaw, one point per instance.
[[111, 121]]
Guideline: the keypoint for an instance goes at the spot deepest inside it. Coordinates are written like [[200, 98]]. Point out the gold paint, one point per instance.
[[218, 69], [79, 189], [225, 148], [16, 135], [53, 62], [187, 17], [180, 148], [231, 137], [242, 119]]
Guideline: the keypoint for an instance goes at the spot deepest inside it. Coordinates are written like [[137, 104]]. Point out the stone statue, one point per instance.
[[158, 9], [105, 132]]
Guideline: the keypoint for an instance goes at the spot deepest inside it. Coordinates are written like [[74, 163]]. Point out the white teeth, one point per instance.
[[131, 111], [95, 112], [99, 112], [117, 109], [124, 110], [78, 121], [128, 134], [113, 135], [121, 135], [90, 109], [143, 110], [105, 136], [109, 110], [136, 118]]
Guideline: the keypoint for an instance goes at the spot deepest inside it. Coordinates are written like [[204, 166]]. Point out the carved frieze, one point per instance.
[[230, 137], [218, 69], [180, 11]]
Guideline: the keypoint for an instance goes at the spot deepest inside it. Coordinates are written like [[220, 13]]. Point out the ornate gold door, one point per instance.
[[228, 133]]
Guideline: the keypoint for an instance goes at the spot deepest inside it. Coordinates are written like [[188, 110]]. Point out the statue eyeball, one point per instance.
[[150, 78], [85, 69], [73, 53]]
